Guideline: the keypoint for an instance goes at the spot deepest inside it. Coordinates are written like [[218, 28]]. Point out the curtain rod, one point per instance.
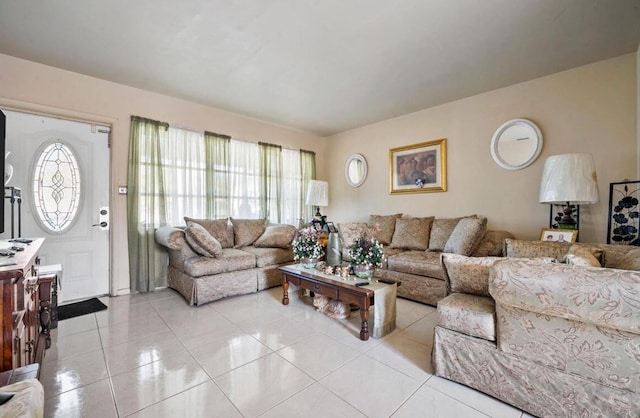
[[173, 125]]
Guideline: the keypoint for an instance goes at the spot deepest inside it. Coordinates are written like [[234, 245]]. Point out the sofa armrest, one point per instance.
[[171, 237], [28, 399], [600, 296]]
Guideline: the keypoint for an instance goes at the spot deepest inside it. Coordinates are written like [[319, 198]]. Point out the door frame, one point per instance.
[[72, 115]]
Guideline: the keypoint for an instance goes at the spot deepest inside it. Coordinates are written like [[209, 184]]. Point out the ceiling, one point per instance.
[[319, 66]]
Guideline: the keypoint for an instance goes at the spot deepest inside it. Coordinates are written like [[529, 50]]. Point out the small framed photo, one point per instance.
[[559, 235], [331, 227]]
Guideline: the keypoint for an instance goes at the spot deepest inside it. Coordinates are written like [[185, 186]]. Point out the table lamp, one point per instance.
[[318, 195], [569, 179]]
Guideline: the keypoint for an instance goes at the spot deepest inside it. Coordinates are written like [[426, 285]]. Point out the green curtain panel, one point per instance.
[[145, 205], [217, 175], [270, 182]]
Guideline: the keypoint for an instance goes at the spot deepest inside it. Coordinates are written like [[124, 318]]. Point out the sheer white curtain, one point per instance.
[[244, 188], [183, 163], [291, 190]]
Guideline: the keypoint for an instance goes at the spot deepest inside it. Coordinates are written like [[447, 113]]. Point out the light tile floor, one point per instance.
[[152, 355]]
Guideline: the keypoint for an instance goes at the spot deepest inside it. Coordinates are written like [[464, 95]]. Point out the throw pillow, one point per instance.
[[201, 241], [586, 261], [386, 225], [246, 231], [587, 251], [350, 231], [491, 244], [412, 233], [466, 236], [467, 274], [276, 236], [441, 231], [631, 261], [218, 228], [532, 249]]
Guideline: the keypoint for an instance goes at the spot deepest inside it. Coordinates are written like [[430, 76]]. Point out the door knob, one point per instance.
[[103, 218]]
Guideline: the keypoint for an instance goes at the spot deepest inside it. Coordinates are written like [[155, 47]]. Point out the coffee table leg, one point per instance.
[[364, 331], [285, 292]]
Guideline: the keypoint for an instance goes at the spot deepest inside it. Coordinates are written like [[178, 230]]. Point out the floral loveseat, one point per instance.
[[412, 247], [213, 259], [550, 338]]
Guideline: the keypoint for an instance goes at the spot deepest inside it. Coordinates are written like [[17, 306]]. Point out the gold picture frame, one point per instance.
[[418, 168], [559, 235]]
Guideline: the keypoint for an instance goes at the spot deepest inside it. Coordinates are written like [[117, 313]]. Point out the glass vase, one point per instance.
[[363, 271], [309, 262]]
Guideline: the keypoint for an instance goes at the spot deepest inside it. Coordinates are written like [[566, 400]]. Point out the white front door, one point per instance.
[[62, 168]]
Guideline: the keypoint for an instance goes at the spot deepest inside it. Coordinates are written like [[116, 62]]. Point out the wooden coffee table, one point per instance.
[[334, 287]]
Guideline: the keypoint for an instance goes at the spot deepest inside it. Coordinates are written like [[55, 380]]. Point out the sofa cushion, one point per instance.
[[467, 274], [350, 231], [421, 263], [230, 260], [201, 240], [276, 236], [246, 231], [466, 236], [386, 227], [220, 229], [469, 314], [631, 261], [270, 256], [412, 233], [534, 249]]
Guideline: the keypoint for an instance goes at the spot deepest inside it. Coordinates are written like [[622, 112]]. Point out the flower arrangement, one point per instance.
[[306, 244], [366, 250]]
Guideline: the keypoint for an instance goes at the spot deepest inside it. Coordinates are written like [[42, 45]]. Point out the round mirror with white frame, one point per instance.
[[516, 144], [355, 170]]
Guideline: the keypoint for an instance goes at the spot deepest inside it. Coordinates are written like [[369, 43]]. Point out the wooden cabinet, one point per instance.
[[25, 302]]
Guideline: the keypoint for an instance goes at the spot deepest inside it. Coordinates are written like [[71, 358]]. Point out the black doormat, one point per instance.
[[80, 308]]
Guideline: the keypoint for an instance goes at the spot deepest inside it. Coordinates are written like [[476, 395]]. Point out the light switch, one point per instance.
[[122, 189]]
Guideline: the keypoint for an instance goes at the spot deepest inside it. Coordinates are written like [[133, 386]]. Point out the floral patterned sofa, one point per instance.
[[412, 247], [214, 259], [550, 338]]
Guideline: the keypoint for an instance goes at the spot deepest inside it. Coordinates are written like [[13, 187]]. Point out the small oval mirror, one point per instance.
[[355, 170], [516, 144]]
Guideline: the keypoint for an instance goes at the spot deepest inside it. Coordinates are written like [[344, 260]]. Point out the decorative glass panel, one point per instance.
[[56, 187]]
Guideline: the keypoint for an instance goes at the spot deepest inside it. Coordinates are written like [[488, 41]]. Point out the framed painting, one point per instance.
[[559, 235], [624, 213], [418, 168]]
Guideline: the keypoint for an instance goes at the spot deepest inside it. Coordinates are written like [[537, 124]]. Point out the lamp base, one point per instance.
[[567, 221]]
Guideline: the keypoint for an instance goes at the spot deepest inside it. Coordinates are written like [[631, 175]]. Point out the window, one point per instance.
[[56, 187], [183, 166]]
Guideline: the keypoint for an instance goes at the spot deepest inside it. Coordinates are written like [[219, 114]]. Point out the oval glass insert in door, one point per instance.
[[57, 187]]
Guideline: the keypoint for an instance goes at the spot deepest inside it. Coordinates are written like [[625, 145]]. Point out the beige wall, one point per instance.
[[588, 109], [29, 86]]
